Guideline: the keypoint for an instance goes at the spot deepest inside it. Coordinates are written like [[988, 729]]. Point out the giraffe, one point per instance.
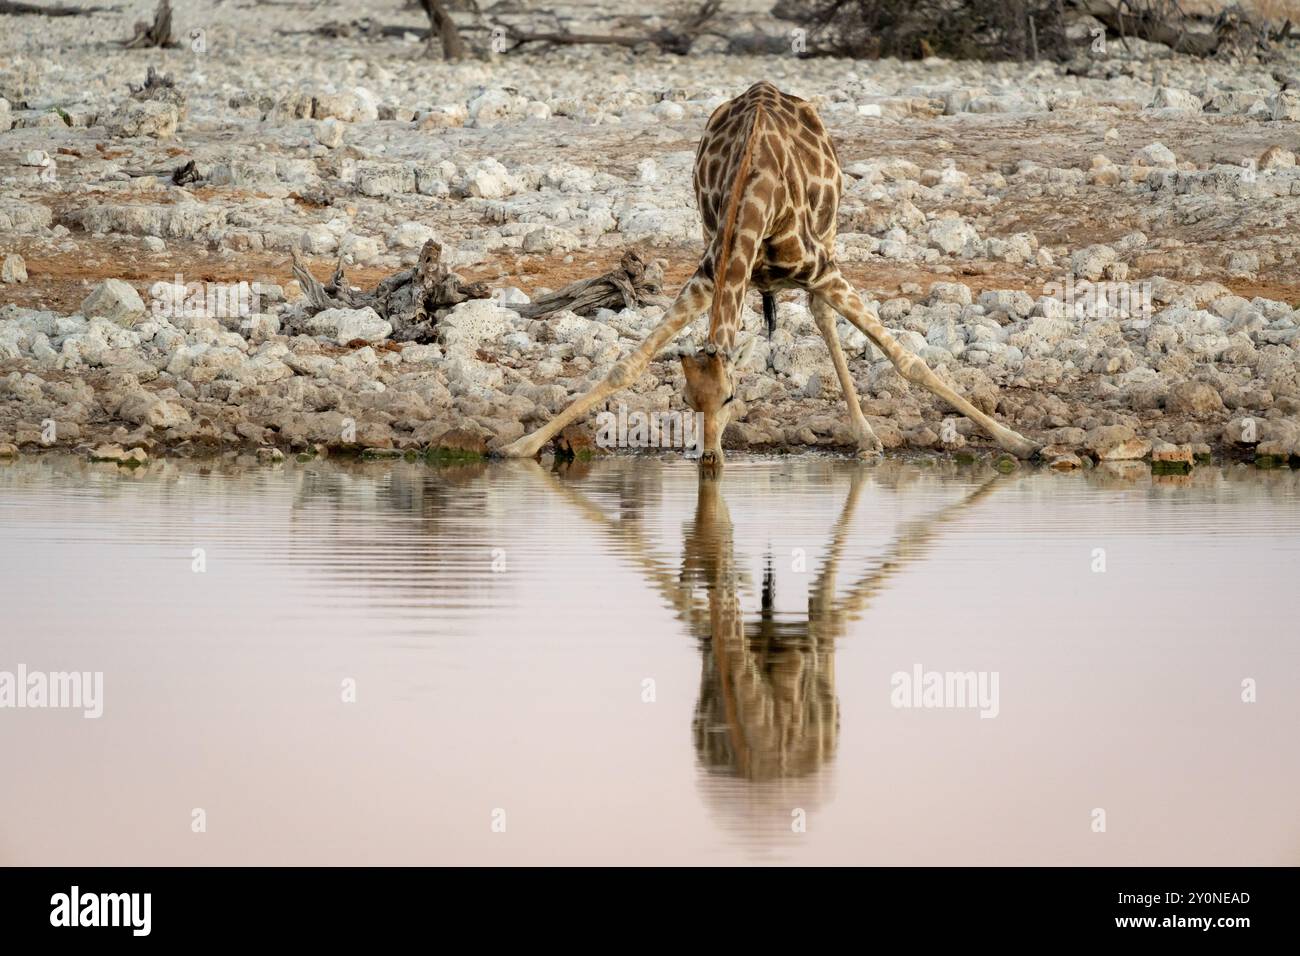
[[767, 182]]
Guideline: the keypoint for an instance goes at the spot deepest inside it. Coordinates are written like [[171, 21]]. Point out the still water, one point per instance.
[[334, 663]]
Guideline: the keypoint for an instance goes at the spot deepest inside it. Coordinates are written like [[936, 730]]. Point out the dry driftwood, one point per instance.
[[960, 29], [678, 39], [444, 27], [156, 34], [411, 300], [185, 174], [634, 283], [371, 29], [1232, 30], [155, 86], [30, 9]]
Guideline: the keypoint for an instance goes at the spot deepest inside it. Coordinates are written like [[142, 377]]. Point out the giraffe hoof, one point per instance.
[[1023, 448], [869, 446], [520, 448]]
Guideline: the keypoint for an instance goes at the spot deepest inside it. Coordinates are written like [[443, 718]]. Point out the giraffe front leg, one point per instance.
[[868, 444], [690, 302], [845, 300]]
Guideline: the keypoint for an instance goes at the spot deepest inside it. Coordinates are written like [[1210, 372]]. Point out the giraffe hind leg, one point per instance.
[[868, 443], [845, 300]]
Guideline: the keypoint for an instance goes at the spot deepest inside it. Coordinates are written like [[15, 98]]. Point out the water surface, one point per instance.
[[620, 663]]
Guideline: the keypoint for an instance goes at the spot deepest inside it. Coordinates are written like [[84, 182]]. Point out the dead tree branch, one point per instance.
[[156, 34], [633, 284], [678, 39], [412, 300], [31, 9], [444, 27], [1232, 31]]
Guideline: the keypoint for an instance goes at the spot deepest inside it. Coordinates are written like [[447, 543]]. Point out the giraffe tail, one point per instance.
[[769, 313]]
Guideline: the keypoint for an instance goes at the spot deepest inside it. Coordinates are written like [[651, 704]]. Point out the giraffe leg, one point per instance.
[[691, 301], [868, 443], [845, 300]]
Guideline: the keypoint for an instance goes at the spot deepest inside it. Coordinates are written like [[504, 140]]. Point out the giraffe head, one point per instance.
[[710, 388]]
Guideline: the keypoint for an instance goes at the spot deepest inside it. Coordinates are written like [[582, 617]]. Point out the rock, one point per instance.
[[107, 453], [1242, 264], [1284, 105], [347, 325], [144, 408], [153, 118], [8, 450], [1155, 154], [115, 301], [1275, 157], [359, 248], [474, 323], [1171, 458], [493, 107], [551, 239], [115, 453], [13, 269], [467, 375], [1116, 443], [488, 179], [1171, 98], [575, 441], [329, 133], [1273, 453], [1065, 461], [668, 111], [949, 292], [1193, 398], [1092, 262], [1015, 303], [459, 444], [952, 236], [384, 179], [350, 106], [410, 235]]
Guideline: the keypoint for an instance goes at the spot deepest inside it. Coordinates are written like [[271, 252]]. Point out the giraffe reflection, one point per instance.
[[767, 706], [767, 709]]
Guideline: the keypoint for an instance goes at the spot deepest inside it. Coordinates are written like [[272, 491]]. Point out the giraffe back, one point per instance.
[[767, 182]]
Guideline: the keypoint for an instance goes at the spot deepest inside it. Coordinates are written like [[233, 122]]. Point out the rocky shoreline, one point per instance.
[[1101, 256]]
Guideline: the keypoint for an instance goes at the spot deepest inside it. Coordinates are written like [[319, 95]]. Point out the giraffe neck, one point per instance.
[[737, 242]]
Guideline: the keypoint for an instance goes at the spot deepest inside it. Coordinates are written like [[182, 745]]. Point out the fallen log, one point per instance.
[[31, 9], [412, 300], [678, 39], [633, 284], [1231, 29], [441, 23], [156, 34]]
